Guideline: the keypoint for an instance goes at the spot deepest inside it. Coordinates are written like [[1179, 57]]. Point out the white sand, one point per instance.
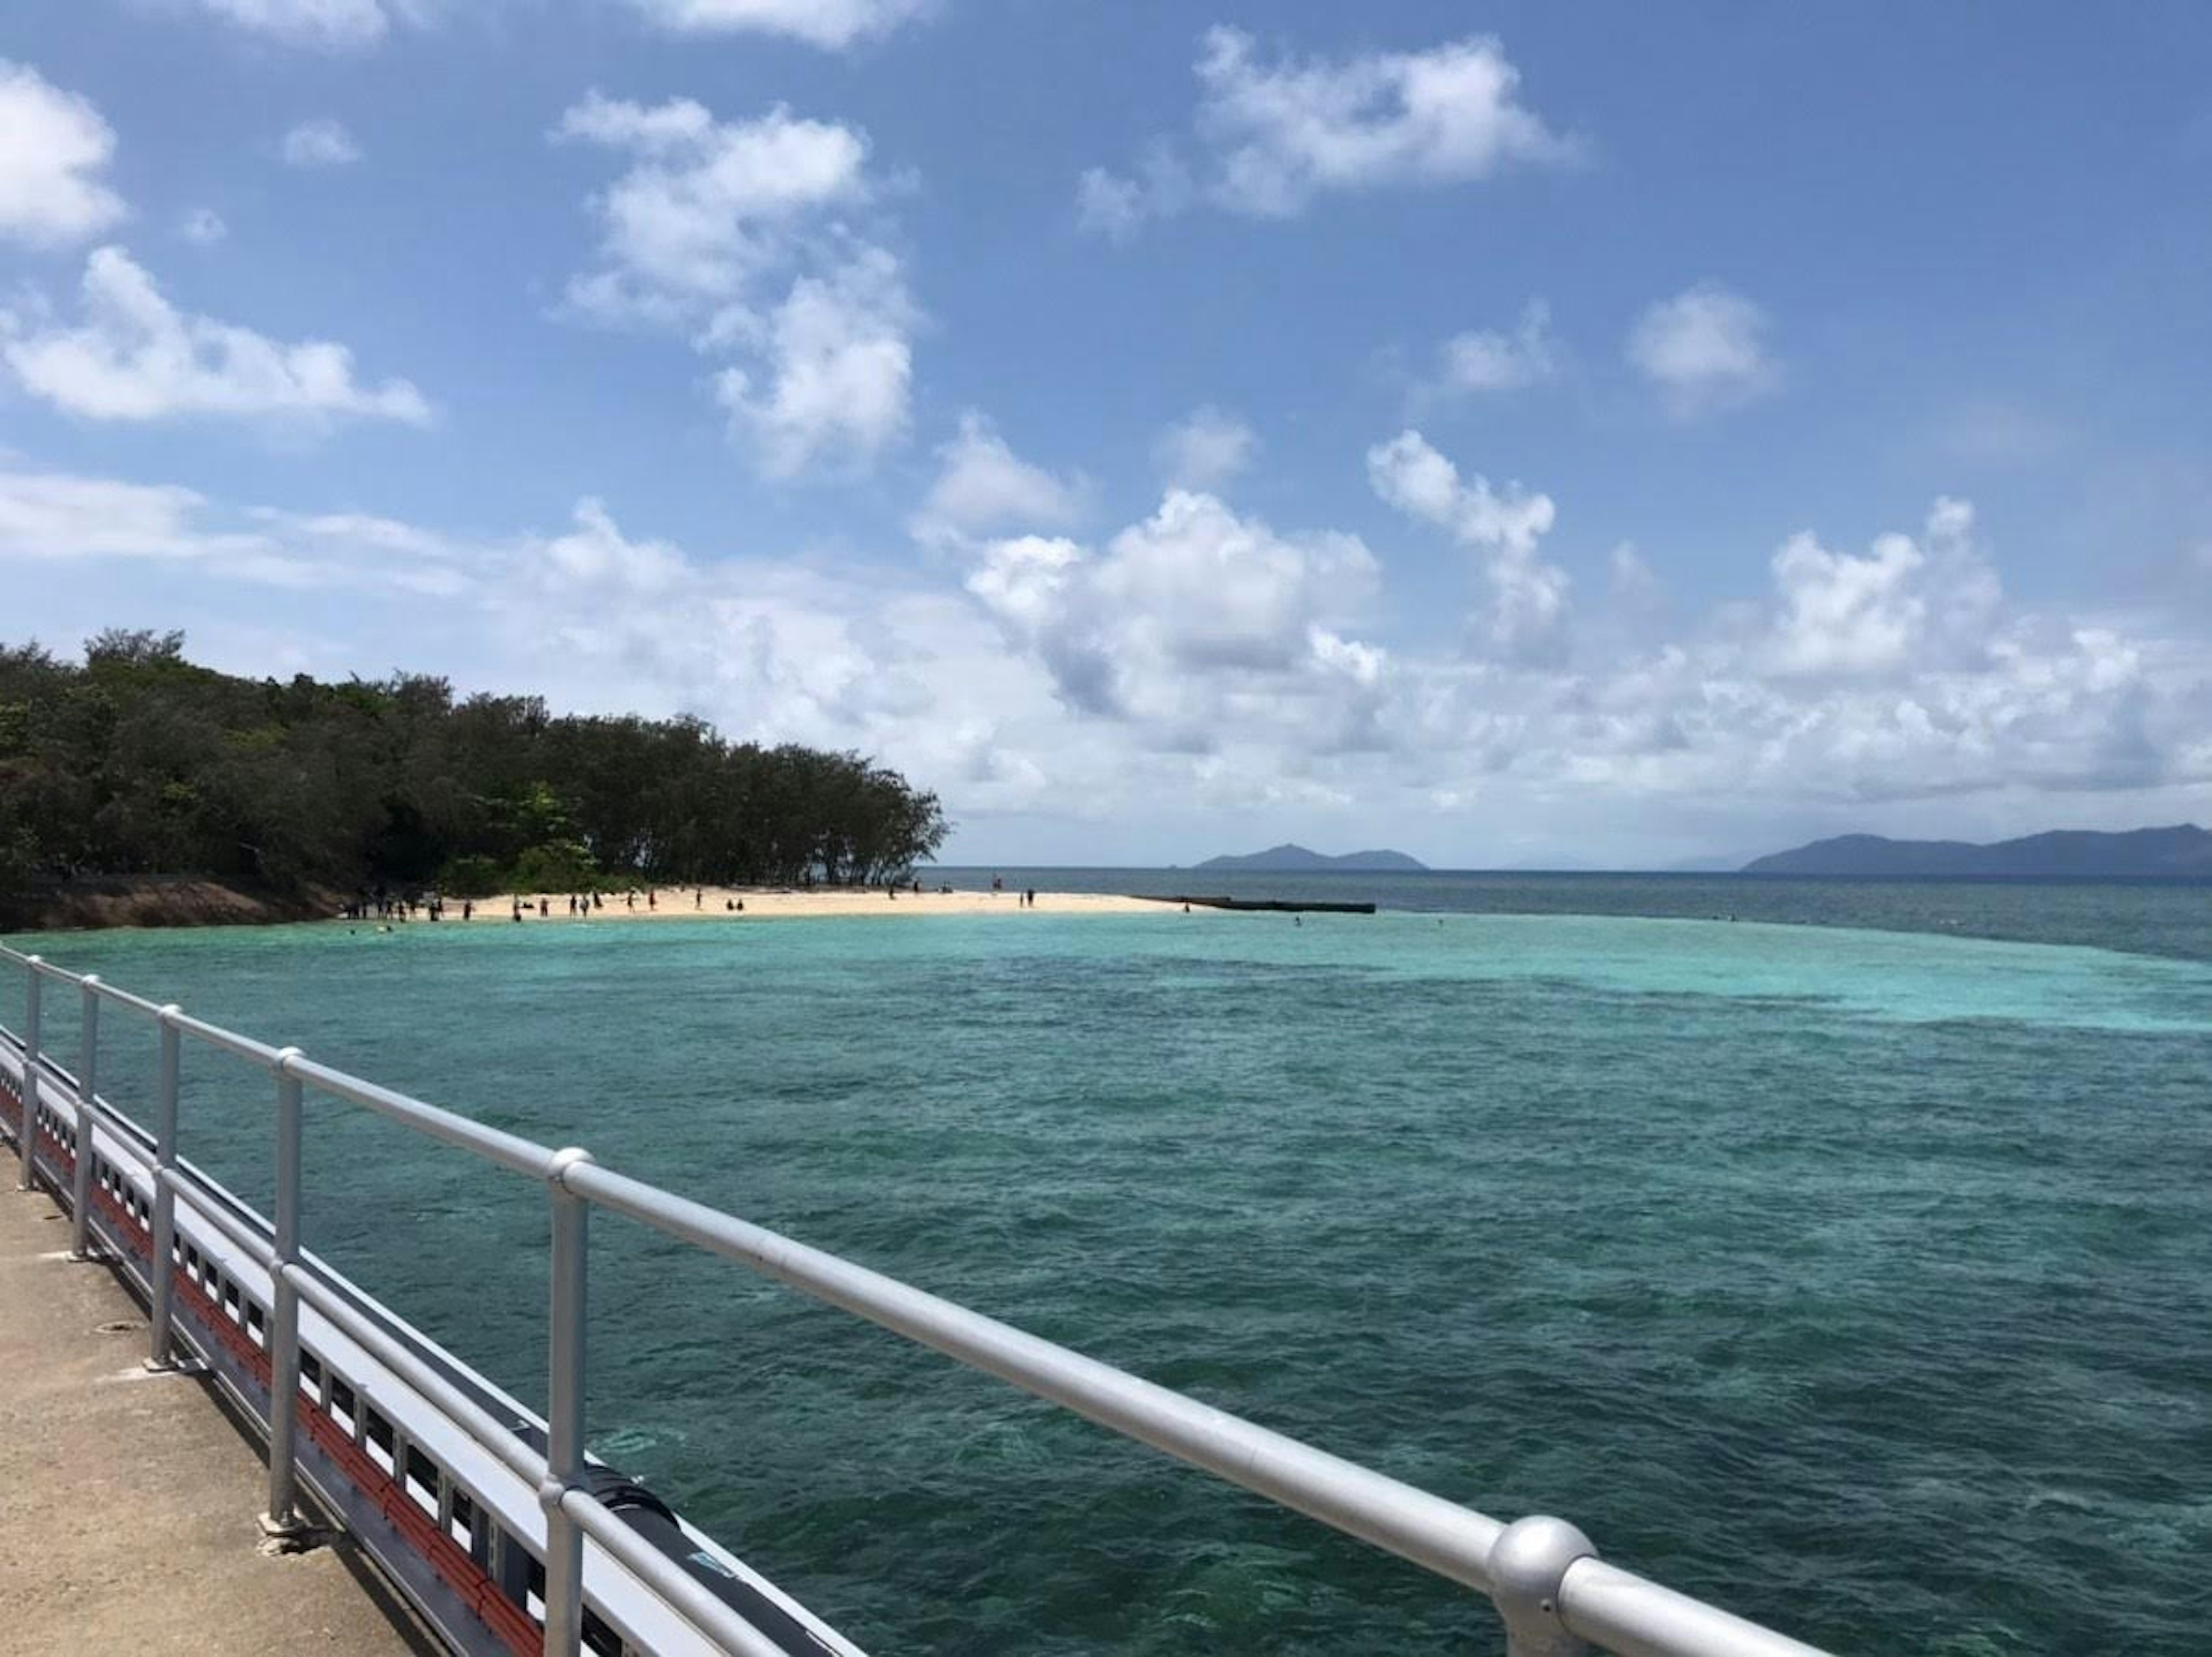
[[787, 903]]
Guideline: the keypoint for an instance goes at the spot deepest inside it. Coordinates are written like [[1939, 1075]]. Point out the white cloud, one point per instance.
[[50, 517], [1411, 475], [1288, 130], [595, 555], [986, 487], [838, 370], [708, 208], [1021, 580], [1487, 361], [323, 142], [735, 235], [134, 356], [1204, 449], [1198, 664], [1704, 349], [831, 24], [54, 150], [1905, 603], [61, 515], [203, 225], [1109, 205], [1274, 135], [1528, 596], [318, 24], [1206, 630]]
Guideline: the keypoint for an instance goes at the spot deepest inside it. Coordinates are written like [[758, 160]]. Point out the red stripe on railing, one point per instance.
[[512, 1625]]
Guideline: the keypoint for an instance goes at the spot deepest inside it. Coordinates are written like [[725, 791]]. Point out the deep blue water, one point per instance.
[[1855, 1272]]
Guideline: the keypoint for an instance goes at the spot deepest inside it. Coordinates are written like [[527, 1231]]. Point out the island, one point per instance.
[[138, 787], [2182, 851], [1287, 859]]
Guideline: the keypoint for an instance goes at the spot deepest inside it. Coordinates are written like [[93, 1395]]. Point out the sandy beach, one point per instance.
[[790, 903]]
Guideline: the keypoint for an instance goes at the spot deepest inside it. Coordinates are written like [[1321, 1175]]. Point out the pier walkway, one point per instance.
[[127, 1499]]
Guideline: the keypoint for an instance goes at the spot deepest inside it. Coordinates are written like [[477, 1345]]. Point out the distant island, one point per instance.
[[2184, 850], [1298, 860]]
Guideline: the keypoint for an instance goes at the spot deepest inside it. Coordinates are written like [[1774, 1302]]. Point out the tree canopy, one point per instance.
[[139, 761]]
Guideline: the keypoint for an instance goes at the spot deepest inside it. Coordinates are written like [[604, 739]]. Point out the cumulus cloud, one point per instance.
[[984, 487], [1273, 134], [1207, 628], [833, 25], [1704, 349], [316, 24], [708, 208], [595, 555], [321, 143], [1485, 359], [1201, 661], [779, 650], [1928, 602], [134, 356], [837, 370], [1204, 449], [1528, 596], [735, 235], [55, 148]]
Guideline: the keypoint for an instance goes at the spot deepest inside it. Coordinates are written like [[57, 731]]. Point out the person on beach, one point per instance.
[[699, 898], [652, 899], [544, 906]]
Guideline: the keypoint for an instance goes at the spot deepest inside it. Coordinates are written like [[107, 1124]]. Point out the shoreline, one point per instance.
[[769, 903]]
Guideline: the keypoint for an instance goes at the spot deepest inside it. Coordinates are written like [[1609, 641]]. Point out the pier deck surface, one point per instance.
[[128, 1501]]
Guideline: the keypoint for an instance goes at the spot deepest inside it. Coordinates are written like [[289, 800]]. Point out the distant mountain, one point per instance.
[[2183, 850], [1297, 861]]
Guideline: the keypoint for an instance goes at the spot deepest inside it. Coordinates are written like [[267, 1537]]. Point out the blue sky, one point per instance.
[[1522, 435]]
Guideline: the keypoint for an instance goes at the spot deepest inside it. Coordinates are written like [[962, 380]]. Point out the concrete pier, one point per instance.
[[128, 1500]]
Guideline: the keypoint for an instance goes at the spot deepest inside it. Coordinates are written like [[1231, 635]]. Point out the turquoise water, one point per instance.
[[1861, 1280]]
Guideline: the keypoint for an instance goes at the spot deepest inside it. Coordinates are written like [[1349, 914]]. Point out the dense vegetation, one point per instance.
[[139, 761]]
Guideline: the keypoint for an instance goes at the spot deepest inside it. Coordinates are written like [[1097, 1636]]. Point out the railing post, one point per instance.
[[1527, 1562], [163, 1354], [88, 1063], [564, 1410], [282, 1520], [34, 988]]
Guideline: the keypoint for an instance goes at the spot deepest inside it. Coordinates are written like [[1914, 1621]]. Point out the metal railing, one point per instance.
[[1544, 1576]]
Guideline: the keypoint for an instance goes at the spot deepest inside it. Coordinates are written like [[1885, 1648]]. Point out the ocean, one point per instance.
[[1848, 1262]]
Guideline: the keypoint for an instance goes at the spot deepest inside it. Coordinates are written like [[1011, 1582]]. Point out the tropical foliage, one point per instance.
[[139, 761]]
